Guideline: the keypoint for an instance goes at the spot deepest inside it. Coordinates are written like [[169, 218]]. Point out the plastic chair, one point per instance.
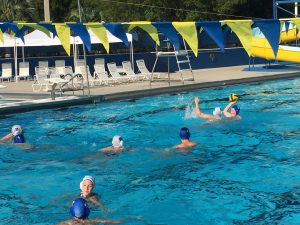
[[6, 72], [130, 73], [113, 71], [23, 70], [40, 83], [144, 70]]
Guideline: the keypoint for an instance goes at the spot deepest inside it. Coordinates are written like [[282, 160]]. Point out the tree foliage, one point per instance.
[[136, 10], [16, 10]]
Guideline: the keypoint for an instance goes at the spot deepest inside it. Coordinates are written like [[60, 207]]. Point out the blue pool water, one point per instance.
[[243, 172]]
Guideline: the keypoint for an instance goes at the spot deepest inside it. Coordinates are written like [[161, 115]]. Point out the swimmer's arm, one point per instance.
[[198, 110], [112, 149], [109, 148], [95, 200], [7, 137], [108, 221], [104, 221], [225, 111], [69, 222], [25, 146], [194, 143], [174, 147]]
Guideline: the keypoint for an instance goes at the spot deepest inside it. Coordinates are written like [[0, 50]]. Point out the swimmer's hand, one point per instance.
[[197, 100], [168, 149], [234, 102]]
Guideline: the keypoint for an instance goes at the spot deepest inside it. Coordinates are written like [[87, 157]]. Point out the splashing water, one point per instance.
[[190, 111]]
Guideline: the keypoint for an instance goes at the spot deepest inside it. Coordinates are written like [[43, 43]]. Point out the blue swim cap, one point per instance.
[[184, 133], [237, 109], [19, 138], [79, 209]]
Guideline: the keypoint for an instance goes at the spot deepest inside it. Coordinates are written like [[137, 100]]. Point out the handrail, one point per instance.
[[72, 80]]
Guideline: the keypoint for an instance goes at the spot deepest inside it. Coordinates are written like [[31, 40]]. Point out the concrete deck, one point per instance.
[[204, 78]]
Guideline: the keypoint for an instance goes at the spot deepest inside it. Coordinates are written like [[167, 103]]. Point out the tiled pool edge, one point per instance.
[[78, 100]]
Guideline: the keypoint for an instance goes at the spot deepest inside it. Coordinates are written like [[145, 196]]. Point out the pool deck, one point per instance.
[[204, 78]]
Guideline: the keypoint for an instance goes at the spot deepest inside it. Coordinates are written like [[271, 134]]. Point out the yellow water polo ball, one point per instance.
[[233, 97]]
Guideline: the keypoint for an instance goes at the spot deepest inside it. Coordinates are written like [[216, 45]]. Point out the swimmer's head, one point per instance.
[[184, 133], [86, 181], [117, 141], [79, 209], [236, 109], [217, 111], [16, 130]]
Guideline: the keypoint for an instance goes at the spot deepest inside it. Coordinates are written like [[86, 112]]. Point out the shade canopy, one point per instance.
[[39, 38]]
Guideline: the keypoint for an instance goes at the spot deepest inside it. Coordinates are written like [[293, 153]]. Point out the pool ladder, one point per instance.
[[183, 58]]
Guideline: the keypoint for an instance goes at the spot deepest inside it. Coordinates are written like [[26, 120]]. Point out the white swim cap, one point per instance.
[[92, 179], [16, 130], [117, 141], [217, 111]]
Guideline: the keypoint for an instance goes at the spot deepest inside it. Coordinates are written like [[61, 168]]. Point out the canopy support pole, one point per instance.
[[131, 55], [74, 53], [16, 60], [84, 53], [23, 54]]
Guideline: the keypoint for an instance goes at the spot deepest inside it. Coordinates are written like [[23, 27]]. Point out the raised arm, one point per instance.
[[7, 137], [198, 110], [225, 111]]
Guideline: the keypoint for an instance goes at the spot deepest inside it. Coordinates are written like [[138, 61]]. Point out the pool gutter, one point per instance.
[[66, 101]]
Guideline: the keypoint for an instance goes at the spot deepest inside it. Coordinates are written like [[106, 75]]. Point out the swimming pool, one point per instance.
[[243, 172]]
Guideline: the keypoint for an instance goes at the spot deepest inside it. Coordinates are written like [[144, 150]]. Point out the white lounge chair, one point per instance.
[[43, 64], [23, 70], [112, 68], [101, 74], [82, 71], [130, 73], [6, 72], [99, 61], [144, 70], [41, 83], [52, 72], [60, 67], [79, 62], [60, 63]]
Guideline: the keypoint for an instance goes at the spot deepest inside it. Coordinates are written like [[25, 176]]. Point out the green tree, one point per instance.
[[244, 9], [136, 10], [16, 10], [90, 11], [60, 10]]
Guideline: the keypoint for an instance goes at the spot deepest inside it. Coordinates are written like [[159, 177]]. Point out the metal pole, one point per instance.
[[16, 60], [23, 54], [131, 54], [74, 53], [274, 9], [296, 9], [46, 11], [84, 54]]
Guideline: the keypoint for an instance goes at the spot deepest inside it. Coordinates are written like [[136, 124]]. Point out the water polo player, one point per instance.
[[216, 115], [185, 135], [234, 109], [117, 144], [16, 135], [87, 185]]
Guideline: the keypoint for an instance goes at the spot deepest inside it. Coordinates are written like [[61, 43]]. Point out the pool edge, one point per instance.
[[78, 100]]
